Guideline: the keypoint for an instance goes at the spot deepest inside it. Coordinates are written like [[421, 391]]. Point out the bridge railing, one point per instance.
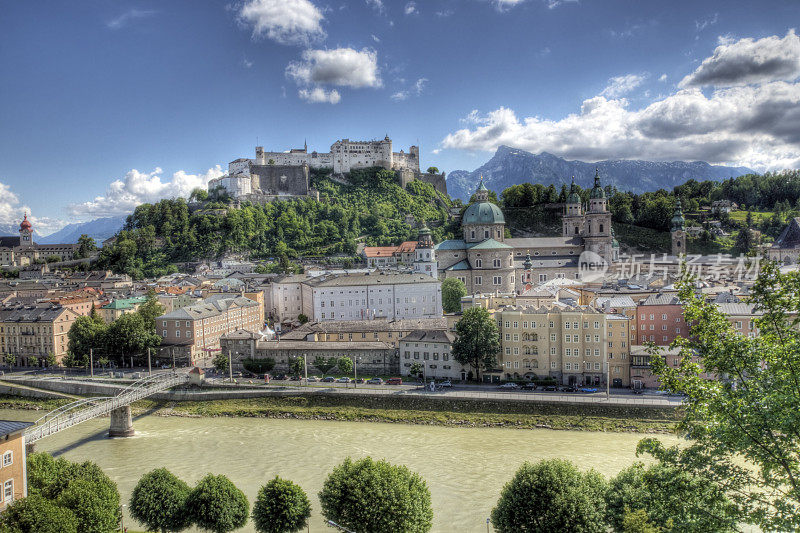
[[87, 408]]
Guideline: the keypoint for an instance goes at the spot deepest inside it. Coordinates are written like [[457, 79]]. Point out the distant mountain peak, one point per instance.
[[510, 166]]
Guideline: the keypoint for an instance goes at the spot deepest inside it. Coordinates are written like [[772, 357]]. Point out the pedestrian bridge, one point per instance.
[[117, 406]]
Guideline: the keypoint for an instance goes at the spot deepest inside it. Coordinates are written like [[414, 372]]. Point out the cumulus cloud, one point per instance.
[[344, 67], [753, 125], [749, 61], [411, 8], [318, 95], [502, 5], [621, 85], [127, 17], [122, 196], [12, 212], [283, 21], [552, 4]]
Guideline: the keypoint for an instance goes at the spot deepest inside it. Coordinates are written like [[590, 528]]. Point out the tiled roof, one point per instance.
[[451, 244], [421, 335], [489, 244], [7, 427], [351, 326], [661, 299], [544, 242], [370, 278], [208, 308], [738, 309], [461, 265]]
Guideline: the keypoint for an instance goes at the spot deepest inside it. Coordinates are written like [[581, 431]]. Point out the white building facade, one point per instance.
[[375, 296]]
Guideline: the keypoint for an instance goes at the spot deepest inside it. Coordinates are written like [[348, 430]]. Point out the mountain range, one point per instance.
[[99, 229], [511, 166]]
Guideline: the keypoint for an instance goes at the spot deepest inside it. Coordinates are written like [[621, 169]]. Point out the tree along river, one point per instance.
[[465, 468]]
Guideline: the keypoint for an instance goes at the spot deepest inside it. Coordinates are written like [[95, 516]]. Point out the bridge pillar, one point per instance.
[[121, 422]]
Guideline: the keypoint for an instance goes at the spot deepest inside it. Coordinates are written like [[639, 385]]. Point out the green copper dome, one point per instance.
[[483, 213], [573, 197], [614, 241], [597, 190]]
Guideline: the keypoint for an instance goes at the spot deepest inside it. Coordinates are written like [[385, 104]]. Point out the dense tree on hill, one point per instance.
[[373, 209], [86, 247]]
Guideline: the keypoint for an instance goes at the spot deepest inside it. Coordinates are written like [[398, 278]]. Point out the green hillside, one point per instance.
[[372, 209]]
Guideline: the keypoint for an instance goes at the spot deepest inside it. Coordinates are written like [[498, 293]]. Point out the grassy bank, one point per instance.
[[408, 410], [443, 412]]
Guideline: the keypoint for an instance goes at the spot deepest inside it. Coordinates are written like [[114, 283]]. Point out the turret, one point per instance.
[[597, 198], [25, 232], [678, 230], [424, 255]]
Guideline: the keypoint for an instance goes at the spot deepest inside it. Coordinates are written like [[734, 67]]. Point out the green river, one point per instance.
[[465, 468]]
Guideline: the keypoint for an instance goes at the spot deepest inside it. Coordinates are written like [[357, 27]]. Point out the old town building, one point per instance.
[[31, 332], [22, 250], [13, 475]]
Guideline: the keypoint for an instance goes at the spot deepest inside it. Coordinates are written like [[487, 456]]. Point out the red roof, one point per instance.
[[25, 224]]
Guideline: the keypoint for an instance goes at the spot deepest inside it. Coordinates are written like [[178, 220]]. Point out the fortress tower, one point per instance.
[[677, 230]]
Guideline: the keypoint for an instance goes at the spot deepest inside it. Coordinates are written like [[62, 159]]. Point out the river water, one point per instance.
[[465, 468]]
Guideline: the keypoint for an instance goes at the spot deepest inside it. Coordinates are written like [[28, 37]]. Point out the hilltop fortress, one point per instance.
[[283, 175]]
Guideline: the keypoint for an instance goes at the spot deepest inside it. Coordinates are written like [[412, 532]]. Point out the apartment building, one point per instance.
[[194, 331], [374, 295], [13, 477], [433, 351], [619, 349], [660, 319], [566, 343], [121, 306], [31, 332], [386, 331]]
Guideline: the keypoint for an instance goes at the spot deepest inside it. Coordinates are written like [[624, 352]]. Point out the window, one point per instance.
[[552, 364], [478, 280], [8, 458], [497, 280], [478, 263], [8, 491]]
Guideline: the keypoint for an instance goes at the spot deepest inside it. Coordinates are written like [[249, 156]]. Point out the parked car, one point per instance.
[[329, 379], [343, 379], [637, 391], [446, 383], [359, 380], [550, 388], [529, 386], [295, 378], [312, 379], [280, 377], [588, 389], [510, 386], [568, 388], [394, 381], [375, 381]]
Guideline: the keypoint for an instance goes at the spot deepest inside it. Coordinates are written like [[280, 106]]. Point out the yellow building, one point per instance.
[[619, 349], [567, 344], [31, 333], [13, 479]]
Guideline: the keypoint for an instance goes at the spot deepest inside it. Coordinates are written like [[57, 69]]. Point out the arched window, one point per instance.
[[576, 230], [601, 228]]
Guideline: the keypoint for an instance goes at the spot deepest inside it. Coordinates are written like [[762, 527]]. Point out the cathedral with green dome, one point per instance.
[[486, 261]]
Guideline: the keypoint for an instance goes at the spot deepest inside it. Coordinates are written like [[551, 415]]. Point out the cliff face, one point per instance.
[[511, 166]]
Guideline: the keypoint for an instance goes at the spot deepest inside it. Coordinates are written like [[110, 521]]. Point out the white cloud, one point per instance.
[[445, 13], [503, 5], [411, 8], [375, 38], [283, 21], [377, 5], [344, 67], [246, 63], [128, 16], [621, 85], [436, 151], [318, 95], [552, 4], [749, 61], [700, 25], [12, 212], [416, 90], [663, 77], [751, 124], [122, 196]]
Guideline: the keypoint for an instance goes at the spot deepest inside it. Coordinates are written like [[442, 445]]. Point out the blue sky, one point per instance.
[[105, 104]]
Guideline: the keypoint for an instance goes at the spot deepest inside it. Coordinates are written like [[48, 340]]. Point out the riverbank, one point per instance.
[[453, 413], [408, 410]]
